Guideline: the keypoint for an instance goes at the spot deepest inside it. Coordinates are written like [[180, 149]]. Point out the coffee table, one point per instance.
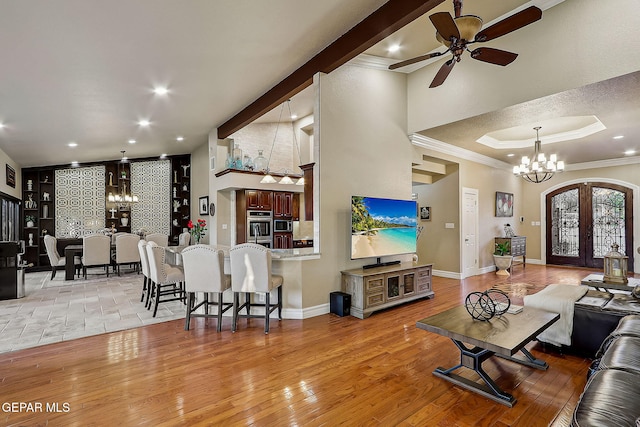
[[596, 280], [502, 336]]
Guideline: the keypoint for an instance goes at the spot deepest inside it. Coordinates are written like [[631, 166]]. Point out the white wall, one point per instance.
[[363, 149], [577, 42]]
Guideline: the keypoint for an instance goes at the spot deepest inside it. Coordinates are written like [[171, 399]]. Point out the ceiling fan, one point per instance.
[[456, 34]]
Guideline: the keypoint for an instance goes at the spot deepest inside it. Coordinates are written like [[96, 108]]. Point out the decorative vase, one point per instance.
[[260, 163], [30, 224], [124, 221], [30, 239], [45, 211], [503, 263]]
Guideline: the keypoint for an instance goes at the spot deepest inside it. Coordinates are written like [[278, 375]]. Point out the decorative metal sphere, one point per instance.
[[485, 305]]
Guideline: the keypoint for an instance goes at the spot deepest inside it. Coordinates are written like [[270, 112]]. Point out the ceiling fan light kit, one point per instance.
[[456, 34], [538, 168]]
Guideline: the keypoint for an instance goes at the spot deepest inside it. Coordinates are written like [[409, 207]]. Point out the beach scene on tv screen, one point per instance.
[[382, 227]]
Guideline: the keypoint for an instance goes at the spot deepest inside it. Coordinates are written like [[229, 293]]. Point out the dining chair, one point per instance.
[[167, 279], [57, 262], [144, 267], [204, 272], [159, 238], [127, 251], [96, 252], [114, 236], [251, 274], [184, 239]]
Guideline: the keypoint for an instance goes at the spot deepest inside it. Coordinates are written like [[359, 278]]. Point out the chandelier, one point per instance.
[[538, 169], [123, 198], [268, 178]]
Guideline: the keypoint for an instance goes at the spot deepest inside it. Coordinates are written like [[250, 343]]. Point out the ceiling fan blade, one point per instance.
[[414, 60], [445, 25], [443, 72], [512, 23], [493, 56]]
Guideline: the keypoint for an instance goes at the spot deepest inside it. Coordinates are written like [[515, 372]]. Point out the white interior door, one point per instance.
[[469, 232]]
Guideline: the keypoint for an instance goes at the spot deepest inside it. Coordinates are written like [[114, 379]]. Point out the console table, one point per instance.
[[383, 287], [517, 248]]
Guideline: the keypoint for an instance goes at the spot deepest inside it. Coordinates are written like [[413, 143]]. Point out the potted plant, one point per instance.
[[502, 260], [30, 219]]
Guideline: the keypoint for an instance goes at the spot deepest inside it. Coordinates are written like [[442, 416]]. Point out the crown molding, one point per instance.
[[462, 153], [459, 152], [622, 161]]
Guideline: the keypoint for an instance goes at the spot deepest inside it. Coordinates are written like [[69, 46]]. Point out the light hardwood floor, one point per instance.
[[323, 371]]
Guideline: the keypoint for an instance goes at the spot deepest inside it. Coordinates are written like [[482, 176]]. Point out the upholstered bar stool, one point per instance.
[[204, 272], [159, 238], [251, 274], [167, 279], [144, 266]]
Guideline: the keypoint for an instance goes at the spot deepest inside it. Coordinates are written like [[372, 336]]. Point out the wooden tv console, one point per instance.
[[383, 287]]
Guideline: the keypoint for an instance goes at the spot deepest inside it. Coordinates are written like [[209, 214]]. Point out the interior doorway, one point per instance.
[[469, 232], [583, 221]]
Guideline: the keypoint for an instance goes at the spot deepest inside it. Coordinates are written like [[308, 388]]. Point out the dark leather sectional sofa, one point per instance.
[[595, 316], [612, 394]]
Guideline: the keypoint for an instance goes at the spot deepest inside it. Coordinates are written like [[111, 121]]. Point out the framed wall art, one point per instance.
[[504, 204], [11, 177], [425, 213], [204, 205]]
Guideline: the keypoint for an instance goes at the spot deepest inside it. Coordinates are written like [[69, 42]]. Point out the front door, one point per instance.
[[585, 220]]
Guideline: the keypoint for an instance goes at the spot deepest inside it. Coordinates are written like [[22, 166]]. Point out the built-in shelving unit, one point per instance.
[[117, 181], [180, 195], [38, 192]]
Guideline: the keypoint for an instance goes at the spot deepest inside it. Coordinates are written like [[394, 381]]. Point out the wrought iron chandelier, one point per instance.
[[123, 199], [538, 169]]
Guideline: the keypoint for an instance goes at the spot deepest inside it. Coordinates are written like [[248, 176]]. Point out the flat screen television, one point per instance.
[[382, 227]]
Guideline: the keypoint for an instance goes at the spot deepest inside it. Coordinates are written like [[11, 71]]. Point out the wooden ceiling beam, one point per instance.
[[388, 19]]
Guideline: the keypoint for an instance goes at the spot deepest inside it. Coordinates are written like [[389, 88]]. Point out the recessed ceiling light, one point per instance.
[[180, 138], [163, 155], [160, 90], [1, 125], [629, 152], [144, 123], [72, 144], [132, 141], [294, 116], [74, 163], [393, 48], [618, 137], [510, 155]]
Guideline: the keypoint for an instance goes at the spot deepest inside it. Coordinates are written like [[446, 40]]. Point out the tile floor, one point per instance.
[[58, 310]]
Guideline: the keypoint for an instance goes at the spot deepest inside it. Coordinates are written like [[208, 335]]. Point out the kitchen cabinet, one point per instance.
[[282, 205], [282, 240], [259, 200]]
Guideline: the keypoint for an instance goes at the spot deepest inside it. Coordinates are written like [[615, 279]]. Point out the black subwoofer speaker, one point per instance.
[[340, 303]]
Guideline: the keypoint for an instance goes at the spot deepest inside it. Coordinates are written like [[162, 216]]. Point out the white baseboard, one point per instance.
[[447, 274]]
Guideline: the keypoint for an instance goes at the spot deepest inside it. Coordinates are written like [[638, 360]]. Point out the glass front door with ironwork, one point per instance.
[[585, 220]]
